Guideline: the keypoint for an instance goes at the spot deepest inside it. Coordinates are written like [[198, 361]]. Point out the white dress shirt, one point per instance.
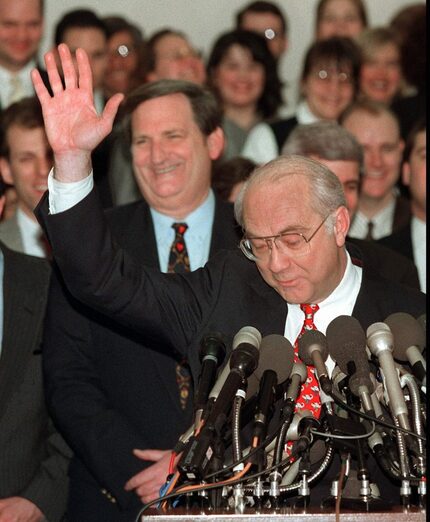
[[419, 243]]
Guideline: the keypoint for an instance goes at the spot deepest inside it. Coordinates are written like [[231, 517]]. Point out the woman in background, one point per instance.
[[242, 73], [340, 18], [329, 83]]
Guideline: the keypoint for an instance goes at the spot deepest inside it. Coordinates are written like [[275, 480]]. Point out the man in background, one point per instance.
[[25, 161], [111, 392], [21, 29], [33, 456], [337, 149], [411, 239], [381, 209]]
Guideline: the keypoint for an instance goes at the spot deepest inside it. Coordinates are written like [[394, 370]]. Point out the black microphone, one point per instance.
[[347, 346], [264, 406], [313, 352], [211, 355], [380, 342], [276, 353], [409, 341], [200, 451], [246, 335]]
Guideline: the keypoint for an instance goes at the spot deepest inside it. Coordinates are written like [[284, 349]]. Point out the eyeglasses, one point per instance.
[[326, 76], [123, 50], [293, 244]]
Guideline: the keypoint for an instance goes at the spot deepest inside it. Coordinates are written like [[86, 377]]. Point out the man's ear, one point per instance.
[[341, 225], [215, 142], [5, 171]]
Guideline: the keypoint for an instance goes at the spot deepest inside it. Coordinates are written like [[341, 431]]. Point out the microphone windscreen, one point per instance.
[[310, 340], [346, 342], [422, 321], [276, 353], [407, 332], [249, 335]]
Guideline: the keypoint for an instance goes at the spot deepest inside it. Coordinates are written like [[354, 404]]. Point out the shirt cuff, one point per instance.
[[63, 196]]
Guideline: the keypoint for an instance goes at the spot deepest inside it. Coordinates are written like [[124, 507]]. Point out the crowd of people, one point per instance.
[[140, 152]]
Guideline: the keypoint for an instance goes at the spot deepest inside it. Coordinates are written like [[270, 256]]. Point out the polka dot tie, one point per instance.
[[179, 262]]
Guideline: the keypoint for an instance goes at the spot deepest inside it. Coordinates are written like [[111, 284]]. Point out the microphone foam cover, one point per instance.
[[407, 332], [360, 379], [346, 341], [310, 340], [276, 353], [247, 334]]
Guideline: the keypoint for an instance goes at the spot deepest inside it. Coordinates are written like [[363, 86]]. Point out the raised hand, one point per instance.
[[72, 124]]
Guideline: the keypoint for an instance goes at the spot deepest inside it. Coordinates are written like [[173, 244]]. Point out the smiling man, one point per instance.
[[381, 210], [295, 222], [25, 161], [21, 29]]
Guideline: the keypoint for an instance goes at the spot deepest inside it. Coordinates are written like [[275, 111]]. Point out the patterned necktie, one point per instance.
[[309, 398], [179, 262], [369, 235]]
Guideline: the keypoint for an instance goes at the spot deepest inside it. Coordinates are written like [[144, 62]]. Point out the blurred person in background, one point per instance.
[[340, 18], [267, 19], [381, 209], [21, 30], [228, 177], [410, 25], [172, 57], [381, 70], [242, 73], [126, 55], [411, 239], [329, 83]]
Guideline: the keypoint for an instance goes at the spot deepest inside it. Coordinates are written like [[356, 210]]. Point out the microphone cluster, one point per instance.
[[249, 447]]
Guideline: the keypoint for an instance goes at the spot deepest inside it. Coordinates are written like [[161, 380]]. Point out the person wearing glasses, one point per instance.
[[329, 83], [126, 56], [295, 221]]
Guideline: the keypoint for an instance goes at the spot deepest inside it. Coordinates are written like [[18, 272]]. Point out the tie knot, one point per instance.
[[180, 228], [309, 311]]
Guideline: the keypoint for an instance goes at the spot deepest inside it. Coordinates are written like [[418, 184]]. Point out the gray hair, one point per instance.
[[326, 192], [326, 140]]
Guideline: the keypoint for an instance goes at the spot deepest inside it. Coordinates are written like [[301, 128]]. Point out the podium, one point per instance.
[[397, 514]]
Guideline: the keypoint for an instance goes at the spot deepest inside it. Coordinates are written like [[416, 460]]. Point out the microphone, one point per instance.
[[211, 355], [409, 341], [243, 361], [313, 351], [380, 342], [347, 346], [276, 353], [246, 335]]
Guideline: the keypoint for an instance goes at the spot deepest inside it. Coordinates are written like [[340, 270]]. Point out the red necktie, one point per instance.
[[309, 398], [179, 262]]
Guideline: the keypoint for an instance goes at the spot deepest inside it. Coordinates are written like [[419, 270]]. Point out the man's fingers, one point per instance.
[[85, 75], [53, 75], [39, 87], [69, 71], [111, 108], [152, 455]]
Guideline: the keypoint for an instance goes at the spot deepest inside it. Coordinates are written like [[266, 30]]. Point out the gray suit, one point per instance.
[[10, 234], [33, 456]]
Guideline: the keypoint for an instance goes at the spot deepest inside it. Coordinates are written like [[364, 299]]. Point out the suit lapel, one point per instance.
[[11, 234], [24, 309]]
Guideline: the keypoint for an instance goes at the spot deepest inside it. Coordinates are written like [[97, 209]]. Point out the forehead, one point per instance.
[[261, 21], [344, 170], [170, 43], [86, 37], [120, 37], [236, 51], [270, 206], [363, 123], [173, 110], [334, 7], [20, 10], [20, 137]]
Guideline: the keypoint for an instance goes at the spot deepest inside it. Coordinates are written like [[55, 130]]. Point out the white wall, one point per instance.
[[204, 20]]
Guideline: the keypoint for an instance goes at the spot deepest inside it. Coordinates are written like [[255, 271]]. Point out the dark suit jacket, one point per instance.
[[400, 241], [33, 456], [227, 294], [108, 389], [385, 261]]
